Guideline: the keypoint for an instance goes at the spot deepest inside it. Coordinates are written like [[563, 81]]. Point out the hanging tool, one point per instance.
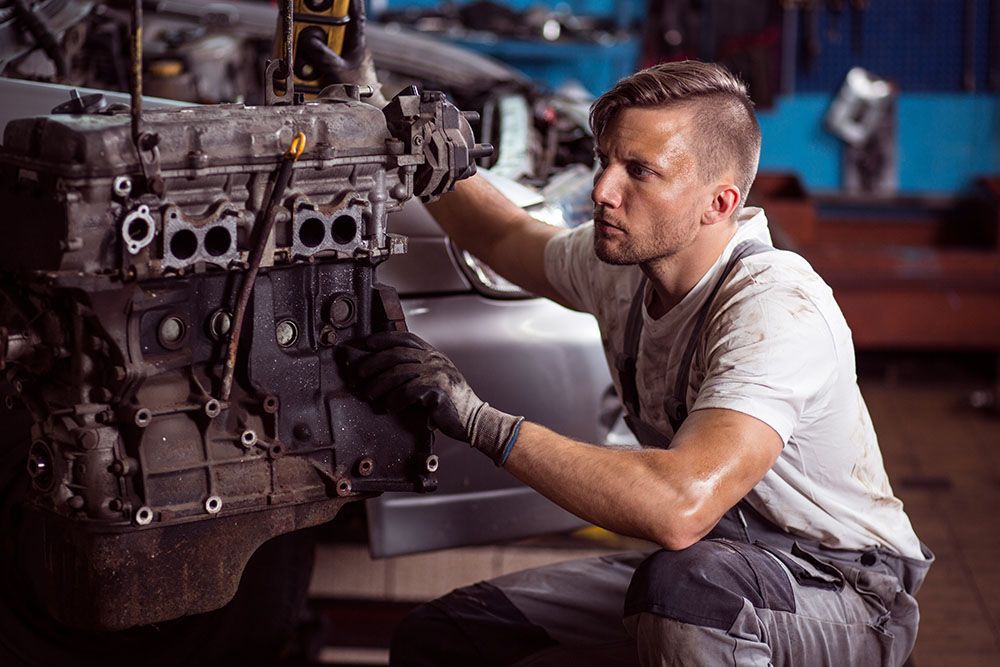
[[969, 47], [993, 72], [811, 45], [836, 11], [789, 41], [146, 143], [858, 8], [43, 35], [312, 21], [265, 225], [279, 80]]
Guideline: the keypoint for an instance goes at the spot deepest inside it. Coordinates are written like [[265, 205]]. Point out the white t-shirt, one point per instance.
[[776, 347]]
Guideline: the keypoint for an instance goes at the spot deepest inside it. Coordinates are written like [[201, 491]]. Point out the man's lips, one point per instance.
[[607, 227]]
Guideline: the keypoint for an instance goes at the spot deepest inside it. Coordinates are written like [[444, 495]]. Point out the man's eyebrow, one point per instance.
[[643, 162], [635, 159]]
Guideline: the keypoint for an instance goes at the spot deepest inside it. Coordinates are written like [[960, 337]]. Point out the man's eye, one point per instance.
[[638, 171]]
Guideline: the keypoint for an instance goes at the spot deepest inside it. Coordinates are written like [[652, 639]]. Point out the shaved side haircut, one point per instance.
[[727, 133]]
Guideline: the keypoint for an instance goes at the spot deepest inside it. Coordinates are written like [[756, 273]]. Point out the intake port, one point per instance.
[[218, 241], [344, 229], [183, 244], [312, 232]]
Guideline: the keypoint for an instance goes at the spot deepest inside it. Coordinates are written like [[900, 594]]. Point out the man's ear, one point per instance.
[[725, 201]]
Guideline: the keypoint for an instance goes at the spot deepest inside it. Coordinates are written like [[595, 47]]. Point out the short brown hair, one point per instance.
[[728, 133]]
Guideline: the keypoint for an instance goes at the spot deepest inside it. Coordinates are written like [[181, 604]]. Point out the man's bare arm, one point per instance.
[[672, 497], [487, 224]]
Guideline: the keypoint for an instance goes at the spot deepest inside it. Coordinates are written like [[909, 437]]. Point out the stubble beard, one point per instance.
[[629, 250], [622, 256]]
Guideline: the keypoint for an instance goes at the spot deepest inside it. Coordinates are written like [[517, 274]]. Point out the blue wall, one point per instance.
[[596, 66], [944, 140], [918, 44]]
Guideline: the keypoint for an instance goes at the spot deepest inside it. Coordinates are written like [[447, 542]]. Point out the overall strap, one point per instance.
[[676, 404], [627, 362]]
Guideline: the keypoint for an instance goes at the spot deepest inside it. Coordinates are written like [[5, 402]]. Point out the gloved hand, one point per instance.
[[354, 65], [400, 370]]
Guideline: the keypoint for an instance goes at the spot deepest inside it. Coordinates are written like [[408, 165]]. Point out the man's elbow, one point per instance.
[[676, 540], [682, 530]]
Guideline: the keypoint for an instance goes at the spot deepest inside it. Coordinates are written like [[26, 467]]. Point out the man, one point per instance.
[[760, 474]]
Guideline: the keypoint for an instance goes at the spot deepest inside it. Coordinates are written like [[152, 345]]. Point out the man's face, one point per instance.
[[648, 195]]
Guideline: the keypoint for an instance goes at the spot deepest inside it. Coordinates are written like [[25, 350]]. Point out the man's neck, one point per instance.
[[673, 277]]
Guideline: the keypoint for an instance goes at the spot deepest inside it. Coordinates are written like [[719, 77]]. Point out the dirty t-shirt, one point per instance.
[[776, 347]]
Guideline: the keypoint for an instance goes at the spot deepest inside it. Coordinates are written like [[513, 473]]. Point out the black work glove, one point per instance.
[[354, 65], [400, 370]]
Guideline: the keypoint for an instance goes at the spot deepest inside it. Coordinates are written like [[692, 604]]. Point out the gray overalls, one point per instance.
[[747, 594]]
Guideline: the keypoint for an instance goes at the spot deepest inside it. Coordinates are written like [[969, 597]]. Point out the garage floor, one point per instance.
[[944, 461]]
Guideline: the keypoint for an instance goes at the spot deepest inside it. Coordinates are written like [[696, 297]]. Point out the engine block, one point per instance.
[[119, 274]]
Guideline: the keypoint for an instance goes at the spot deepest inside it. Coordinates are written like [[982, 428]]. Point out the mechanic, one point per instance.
[[759, 474]]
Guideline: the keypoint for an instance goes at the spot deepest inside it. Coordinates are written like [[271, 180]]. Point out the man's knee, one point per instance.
[[708, 583], [475, 625], [428, 636]]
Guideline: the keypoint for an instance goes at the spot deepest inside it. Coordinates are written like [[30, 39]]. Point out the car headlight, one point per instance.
[[565, 203], [567, 198], [486, 281]]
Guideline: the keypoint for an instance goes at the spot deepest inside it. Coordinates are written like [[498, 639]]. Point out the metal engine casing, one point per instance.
[[148, 493]]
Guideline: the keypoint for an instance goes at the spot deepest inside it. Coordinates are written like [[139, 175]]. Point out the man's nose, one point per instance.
[[606, 190]]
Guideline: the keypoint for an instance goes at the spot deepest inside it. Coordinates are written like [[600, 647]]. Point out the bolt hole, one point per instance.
[[344, 229], [144, 516], [213, 504], [311, 232], [40, 466], [249, 438], [218, 241], [142, 417], [122, 186], [183, 244], [212, 408]]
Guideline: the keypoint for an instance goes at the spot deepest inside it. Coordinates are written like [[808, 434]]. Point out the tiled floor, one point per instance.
[[944, 461]]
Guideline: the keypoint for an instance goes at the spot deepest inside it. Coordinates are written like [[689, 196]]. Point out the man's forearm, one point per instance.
[[670, 496], [476, 215], [483, 221], [631, 492]]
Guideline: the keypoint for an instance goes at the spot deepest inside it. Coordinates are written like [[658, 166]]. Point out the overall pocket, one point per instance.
[[807, 569]]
